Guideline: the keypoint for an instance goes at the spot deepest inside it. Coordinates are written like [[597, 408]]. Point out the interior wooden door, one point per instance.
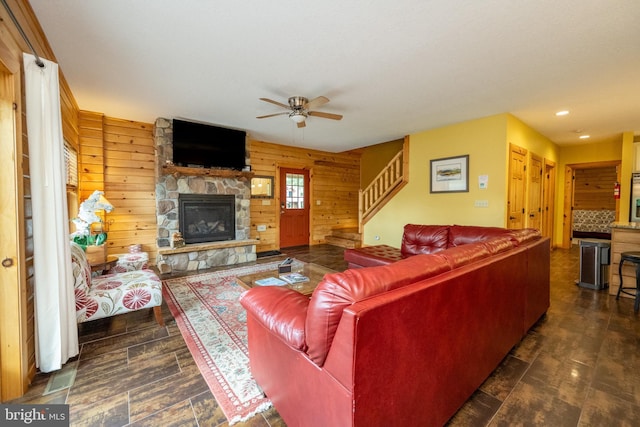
[[548, 198], [517, 182], [294, 207], [534, 205], [14, 334]]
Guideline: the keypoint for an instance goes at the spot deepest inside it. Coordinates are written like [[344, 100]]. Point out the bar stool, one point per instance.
[[633, 257]]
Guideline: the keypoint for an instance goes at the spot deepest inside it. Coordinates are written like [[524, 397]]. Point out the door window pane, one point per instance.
[[295, 191]]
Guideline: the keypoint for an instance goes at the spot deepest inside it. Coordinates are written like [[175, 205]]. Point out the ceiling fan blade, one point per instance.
[[325, 115], [271, 101], [316, 102], [272, 115], [301, 124]]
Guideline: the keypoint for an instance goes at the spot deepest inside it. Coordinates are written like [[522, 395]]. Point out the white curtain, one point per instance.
[[56, 328]]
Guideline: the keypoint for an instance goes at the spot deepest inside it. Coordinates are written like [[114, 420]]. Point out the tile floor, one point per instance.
[[579, 366]]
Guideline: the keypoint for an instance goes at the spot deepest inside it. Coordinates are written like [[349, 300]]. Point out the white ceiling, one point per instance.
[[391, 67]]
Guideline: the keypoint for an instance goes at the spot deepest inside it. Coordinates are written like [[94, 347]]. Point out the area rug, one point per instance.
[[214, 326]]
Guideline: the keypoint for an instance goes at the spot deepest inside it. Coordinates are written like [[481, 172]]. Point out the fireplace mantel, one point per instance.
[[197, 247], [222, 173]]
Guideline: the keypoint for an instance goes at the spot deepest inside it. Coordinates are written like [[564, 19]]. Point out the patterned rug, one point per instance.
[[214, 326]]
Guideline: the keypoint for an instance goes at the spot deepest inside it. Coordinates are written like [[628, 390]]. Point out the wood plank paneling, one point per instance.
[[117, 156], [335, 181], [129, 158], [593, 188]]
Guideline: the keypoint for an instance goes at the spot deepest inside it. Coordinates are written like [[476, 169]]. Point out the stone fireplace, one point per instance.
[[211, 240]]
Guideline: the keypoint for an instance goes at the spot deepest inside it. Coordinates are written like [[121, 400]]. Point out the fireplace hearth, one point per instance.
[[207, 217]]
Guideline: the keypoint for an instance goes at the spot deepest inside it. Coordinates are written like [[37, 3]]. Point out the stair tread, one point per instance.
[[347, 233], [342, 242]]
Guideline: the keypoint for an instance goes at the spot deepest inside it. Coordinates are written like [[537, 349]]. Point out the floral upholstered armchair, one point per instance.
[[112, 294]]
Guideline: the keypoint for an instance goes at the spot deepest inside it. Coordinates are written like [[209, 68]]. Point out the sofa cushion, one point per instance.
[[339, 290], [465, 234], [424, 239], [525, 235], [370, 256], [500, 244], [465, 254]]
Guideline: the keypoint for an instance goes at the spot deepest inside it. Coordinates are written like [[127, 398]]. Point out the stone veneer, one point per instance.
[[169, 186]]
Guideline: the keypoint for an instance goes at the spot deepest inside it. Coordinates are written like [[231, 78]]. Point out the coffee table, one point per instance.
[[314, 272]]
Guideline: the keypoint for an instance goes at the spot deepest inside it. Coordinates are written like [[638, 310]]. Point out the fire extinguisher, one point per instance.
[[616, 190]]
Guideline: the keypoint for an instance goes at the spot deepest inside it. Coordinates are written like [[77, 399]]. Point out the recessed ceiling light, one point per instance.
[[562, 113], [584, 136]]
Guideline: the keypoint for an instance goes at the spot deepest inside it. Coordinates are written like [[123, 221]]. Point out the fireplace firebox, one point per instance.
[[207, 217]]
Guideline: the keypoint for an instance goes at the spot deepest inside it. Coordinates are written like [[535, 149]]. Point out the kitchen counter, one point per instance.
[[625, 236], [631, 225]]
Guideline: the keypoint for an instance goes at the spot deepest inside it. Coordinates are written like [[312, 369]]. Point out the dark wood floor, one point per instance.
[[579, 366]]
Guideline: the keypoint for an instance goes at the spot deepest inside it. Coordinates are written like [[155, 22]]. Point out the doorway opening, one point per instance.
[[589, 205]]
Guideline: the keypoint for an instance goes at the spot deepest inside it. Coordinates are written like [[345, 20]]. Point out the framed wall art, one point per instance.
[[450, 175]]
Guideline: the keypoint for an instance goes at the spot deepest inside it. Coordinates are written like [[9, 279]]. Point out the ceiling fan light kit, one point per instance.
[[300, 108], [297, 116]]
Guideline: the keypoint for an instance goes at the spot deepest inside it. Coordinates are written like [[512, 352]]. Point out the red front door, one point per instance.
[[294, 207]]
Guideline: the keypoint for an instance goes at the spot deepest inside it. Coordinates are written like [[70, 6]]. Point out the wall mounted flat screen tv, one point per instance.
[[208, 146]]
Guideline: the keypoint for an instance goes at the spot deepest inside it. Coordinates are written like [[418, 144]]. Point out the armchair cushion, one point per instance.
[[118, 293], [81, 269]]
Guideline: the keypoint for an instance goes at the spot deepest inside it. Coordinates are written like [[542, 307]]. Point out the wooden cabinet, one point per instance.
[[624, 237]]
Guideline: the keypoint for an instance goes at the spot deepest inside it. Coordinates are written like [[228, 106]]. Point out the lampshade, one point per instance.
[[297, 116]]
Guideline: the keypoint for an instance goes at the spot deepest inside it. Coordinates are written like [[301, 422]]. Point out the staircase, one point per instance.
[[384, 186], [387, 184], [345, 238]]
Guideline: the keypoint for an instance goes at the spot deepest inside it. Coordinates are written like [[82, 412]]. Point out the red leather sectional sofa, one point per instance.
[[403, 343]]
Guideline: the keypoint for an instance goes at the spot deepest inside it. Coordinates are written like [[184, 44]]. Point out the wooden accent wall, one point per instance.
[[130, 185], [17, 340], [118, 157], [90, 155], [335, 181], [593, 188]]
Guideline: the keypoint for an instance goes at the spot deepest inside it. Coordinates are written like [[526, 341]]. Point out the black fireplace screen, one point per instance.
[[207, 218]]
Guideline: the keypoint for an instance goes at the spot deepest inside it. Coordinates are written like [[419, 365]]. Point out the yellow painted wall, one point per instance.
[[375, 158], [484, 140], [520, 134]]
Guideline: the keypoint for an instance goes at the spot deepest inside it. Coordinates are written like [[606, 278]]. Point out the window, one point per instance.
[[295, 191], [262, 187], [71, 165]]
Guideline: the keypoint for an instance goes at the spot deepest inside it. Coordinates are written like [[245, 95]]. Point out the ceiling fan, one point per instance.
[[300, 108]]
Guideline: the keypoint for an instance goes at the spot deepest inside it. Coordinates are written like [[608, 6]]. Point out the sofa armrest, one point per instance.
[[282, 311]]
